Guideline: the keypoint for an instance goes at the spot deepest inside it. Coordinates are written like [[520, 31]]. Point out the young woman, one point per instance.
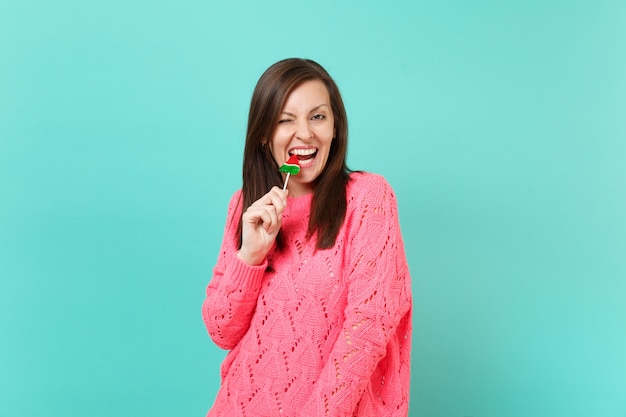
[[311, 292]]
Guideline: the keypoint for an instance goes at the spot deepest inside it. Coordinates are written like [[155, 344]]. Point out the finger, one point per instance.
[[270, 219], [273, 196], [266, 215], [280, 192], [278, 198]]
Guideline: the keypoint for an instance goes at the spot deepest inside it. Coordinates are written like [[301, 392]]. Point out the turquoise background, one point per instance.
[[501, 126]]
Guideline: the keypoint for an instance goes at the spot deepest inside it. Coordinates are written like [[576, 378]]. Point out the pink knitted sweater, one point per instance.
[[316, 332]]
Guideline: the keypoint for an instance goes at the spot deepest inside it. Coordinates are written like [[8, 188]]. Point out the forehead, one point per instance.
[[310, 94]]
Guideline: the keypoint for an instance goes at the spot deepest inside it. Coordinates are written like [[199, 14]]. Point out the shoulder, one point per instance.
[[235, 207], [370, 193], [372, 206], [368, 186], [235, 198]]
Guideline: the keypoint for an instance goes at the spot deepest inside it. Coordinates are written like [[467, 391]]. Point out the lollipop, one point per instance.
[[291, 167]]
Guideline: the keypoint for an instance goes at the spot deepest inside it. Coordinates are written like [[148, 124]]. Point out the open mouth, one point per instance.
[[305, 156]]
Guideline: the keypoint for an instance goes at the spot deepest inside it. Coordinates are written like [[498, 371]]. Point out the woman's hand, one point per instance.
[[260, 225]]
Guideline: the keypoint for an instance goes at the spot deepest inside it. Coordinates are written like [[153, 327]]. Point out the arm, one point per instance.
[[233, 290], [379, 297], [232, 294]]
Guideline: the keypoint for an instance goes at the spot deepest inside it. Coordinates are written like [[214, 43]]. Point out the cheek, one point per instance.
[[278, 141], [326, 136], [328, 142]]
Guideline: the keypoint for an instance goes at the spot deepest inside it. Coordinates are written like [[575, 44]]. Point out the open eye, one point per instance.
[[318, 116]]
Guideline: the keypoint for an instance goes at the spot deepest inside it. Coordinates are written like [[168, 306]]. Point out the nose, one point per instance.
[[303, 130]]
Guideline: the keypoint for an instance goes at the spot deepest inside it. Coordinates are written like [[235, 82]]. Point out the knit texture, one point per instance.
[[316, 332]]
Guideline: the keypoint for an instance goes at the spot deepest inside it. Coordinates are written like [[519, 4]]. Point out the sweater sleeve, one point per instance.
[[232, 293], [378, 301]]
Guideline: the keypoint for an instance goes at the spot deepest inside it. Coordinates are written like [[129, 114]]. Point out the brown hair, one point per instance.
[[260, 170]]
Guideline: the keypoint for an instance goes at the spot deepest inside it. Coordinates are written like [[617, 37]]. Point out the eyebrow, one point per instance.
[[310, 111]]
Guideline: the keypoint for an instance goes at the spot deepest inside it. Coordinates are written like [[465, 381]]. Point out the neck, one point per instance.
[[296, 190]]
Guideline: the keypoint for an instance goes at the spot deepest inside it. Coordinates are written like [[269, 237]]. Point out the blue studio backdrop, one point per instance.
[[500, 125]]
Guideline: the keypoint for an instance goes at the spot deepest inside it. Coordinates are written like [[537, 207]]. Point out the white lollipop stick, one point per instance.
[[286, 181]]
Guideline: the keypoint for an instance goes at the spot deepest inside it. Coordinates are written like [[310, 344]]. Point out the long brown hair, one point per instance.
[[260, 170]]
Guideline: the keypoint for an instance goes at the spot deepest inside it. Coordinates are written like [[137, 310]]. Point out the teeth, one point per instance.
[[303, 152]]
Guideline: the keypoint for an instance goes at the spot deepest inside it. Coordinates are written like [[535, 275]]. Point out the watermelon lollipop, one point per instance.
[[291, 167]]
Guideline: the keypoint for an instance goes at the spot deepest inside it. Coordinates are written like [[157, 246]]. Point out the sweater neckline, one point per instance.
[[299, 203]]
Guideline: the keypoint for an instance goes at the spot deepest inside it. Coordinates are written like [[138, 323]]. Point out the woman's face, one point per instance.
[[305, 128]]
